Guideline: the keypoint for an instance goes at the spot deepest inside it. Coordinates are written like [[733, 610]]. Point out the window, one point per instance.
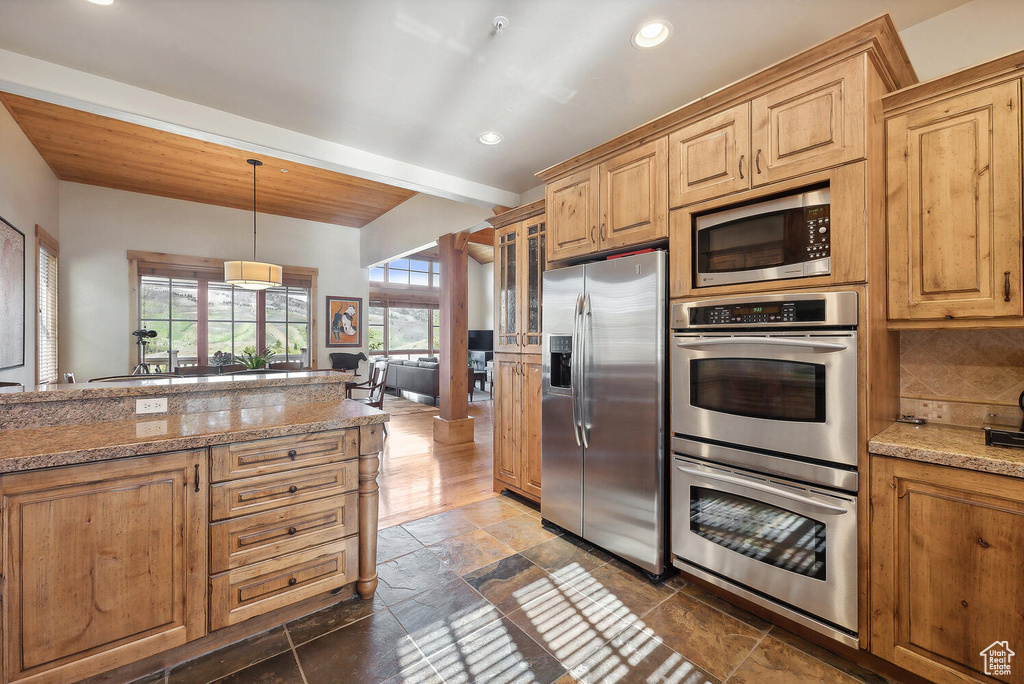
[[46, 307], [287, 322], [184, 311], [412, 271], [397, 329]]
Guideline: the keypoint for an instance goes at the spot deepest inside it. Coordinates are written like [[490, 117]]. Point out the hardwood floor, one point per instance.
[[420, 477]]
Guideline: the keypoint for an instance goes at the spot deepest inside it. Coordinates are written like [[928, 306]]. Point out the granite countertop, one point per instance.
[[148, 386], [47, 447], [947, 445]]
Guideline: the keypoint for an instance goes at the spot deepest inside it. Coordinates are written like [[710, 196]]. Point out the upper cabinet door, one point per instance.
[[634, 196], [506, 288], [810, 124], [954, 207], [533, 243], [572, 206], [710, 158]]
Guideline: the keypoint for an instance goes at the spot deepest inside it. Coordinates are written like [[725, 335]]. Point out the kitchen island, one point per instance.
[[130, 537]]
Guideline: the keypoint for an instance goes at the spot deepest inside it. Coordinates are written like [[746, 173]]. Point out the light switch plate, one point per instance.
[[151, 405]]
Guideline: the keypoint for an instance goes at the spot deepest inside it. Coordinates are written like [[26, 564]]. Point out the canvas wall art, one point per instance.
[[12, 296], [344, 321]]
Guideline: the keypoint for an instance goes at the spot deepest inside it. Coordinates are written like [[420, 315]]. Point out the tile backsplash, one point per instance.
[[962, 377]]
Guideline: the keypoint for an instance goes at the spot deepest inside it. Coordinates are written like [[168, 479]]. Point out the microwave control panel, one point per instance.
[[752, 313], [819, 232]]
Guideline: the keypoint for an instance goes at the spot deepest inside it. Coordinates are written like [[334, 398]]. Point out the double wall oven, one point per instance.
[[764, 452]]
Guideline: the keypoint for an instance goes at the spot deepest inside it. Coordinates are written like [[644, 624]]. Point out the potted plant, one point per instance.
[[252, 359]]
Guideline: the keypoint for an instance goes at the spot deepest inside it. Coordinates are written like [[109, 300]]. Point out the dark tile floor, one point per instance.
[[484, 594]]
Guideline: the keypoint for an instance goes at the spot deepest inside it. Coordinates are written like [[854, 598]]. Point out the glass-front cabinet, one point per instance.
[[520, 256]]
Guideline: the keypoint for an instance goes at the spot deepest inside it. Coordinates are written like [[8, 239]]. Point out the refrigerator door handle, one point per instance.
[[574, 369], [584, 423]]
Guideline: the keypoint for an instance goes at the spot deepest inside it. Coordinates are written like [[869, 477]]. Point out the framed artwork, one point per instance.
[[12, 296], [344, 321]]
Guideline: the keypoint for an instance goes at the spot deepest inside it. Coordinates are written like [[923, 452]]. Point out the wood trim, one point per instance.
[[520, 213], [208, 263], [44, 239], [1010, 66], [484, 236], [878, 37]]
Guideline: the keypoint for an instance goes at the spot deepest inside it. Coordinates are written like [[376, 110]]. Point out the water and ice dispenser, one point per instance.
[[560, 347]]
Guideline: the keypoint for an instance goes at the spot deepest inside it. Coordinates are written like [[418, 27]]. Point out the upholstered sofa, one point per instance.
[[420, 376]]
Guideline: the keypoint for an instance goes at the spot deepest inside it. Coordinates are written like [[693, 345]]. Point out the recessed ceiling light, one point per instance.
[[284, 170], [102, 2], [652, 34], [489, 138]]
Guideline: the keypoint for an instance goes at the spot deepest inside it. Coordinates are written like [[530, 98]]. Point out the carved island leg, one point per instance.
[[371, 442]]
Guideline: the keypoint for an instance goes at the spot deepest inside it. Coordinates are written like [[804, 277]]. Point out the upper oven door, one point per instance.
[[789, 392]]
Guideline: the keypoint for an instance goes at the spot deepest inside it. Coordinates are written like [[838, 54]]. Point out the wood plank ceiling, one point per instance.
[[96, 150]]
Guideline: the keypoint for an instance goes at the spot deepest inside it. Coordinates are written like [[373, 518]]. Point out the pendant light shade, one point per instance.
[[253, 275]]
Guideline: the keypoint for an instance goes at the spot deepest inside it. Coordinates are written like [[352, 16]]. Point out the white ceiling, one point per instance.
[[418, 80]]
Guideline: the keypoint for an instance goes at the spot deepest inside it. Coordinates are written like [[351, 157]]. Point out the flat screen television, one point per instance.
[[481, 340]]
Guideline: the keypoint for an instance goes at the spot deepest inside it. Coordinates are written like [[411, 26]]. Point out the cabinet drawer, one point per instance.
[[256, 494], [240, 594], [254, 538], [260, 457]]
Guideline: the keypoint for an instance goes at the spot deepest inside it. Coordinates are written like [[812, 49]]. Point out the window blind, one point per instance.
[[46, 345]]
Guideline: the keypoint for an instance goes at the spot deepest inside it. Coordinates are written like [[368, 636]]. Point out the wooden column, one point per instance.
[[454, 425], [371, 443]]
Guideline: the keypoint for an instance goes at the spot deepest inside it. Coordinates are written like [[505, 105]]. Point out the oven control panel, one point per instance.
[[818, 232], [754, 313]]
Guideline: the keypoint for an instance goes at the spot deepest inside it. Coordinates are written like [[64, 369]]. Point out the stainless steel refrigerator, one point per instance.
[[603, 412]]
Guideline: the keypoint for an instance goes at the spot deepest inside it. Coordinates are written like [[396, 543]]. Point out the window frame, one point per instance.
[[211, 270], [431, 310], [46, 242], [433, 273]]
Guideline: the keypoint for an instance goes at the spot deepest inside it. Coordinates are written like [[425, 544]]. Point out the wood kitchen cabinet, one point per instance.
[[954, 206], [618, 203], [946, 576], [811, 123], [517, 423], [521, 257], [104, 564], [710, 158], [573, 207]]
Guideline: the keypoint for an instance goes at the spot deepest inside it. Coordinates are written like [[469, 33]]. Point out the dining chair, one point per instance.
[[374, 387]]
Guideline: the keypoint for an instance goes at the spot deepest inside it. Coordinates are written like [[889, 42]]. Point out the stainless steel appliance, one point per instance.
[[774, 371], [786, 237], [603, 449], [764, 447]]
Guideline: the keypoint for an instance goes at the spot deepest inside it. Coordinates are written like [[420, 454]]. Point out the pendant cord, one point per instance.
[[254, 212]]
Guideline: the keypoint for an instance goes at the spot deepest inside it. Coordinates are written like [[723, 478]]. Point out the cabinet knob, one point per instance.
[[292, 581], [292, 530], [293, 489], [983, 544], [292, 454]]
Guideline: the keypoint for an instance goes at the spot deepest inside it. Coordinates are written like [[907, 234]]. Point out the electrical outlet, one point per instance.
[[151, 405], [151, 428]]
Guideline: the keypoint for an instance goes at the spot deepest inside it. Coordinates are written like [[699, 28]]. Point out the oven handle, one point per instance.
[[828, 508], [769, 341]]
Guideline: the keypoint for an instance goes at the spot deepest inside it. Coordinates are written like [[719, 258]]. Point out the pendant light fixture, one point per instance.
[[252, 275]]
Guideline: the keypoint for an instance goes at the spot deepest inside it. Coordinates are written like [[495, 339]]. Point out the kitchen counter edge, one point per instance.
[[948, 445]]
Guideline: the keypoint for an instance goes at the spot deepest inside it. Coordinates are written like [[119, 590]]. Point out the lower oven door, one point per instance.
[[793, 544], [788, 392]]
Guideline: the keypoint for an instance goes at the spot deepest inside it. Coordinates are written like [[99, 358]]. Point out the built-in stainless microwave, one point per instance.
[[786, 237]]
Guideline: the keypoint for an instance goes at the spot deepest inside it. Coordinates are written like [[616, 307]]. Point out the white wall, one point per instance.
[[28, 196], [480, 304], [964, 36], [415, 224], [100, 225]]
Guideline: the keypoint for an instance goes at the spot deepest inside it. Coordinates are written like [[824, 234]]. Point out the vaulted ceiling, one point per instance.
[[419, 80]]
